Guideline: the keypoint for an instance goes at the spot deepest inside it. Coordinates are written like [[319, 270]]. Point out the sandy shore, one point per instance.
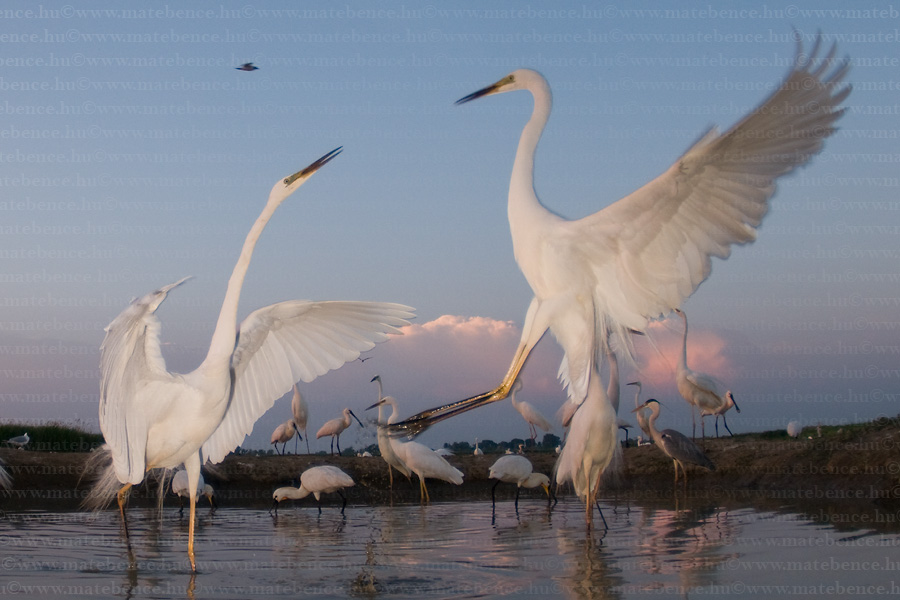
[[859, 466]]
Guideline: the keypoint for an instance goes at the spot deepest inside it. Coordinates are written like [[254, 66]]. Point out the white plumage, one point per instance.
[[335, 427], [642, 256], [300, 412], [152, 418], [532, 416], [316, 481], [283, 434], [385, 443], [703, 391], [513, 468]]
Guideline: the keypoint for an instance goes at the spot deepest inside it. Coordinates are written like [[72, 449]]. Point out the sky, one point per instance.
[[133, 153]]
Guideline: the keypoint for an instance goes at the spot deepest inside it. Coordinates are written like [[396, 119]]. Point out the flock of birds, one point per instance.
[[596, 282]]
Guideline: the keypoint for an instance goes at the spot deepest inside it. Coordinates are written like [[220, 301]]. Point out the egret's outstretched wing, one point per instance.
[[654, 247], [292, 341], [130, 358]]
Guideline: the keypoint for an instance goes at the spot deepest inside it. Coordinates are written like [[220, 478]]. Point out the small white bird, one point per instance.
[[513, 468], [300, 410], [794, 428], [335, 427], [704, 391], [531, 415], [316, 481], [478, 451], [282, 435], [20, 441], [180, 486]]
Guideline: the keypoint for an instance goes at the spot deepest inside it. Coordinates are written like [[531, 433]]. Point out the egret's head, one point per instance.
[[291, 183], [521, 79]]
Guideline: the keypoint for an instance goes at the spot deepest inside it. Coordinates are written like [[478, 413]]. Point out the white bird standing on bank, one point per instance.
[[300, 411], [335, 427], [532, 416], [20, 441], [153, 419], [794, 428], [676, 445], [412, 457], [316, 481], [513, 468], [478, 451], [641, 257], [282, 435], [385, 442], [704, 391], [180, 487]]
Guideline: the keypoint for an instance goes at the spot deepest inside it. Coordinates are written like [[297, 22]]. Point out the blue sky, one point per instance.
[[132, 153]]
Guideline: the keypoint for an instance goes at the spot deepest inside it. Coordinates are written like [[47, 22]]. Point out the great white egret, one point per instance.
[[513, 468], [704, 391], [641, 257], [413, 457], [283, 434], [676, 445], [385, 443], [152, 418], [532, 416], [300, 412], [335, 427], [316, 481]]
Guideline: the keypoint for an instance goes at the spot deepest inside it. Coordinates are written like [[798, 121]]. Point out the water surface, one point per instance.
[[447, 550]]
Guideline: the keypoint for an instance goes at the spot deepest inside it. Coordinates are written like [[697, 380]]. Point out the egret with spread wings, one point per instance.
[[152, 418]]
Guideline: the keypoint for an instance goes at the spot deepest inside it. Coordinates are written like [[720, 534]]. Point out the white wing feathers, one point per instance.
[[292, 341], [129, 356], [654, 247]]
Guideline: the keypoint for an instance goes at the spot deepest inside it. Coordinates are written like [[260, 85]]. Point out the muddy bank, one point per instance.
[[855, 466]]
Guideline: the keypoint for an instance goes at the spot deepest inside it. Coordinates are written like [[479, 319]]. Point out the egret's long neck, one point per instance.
[[612, 389], [225, 335], [682, 360], [521, 185]]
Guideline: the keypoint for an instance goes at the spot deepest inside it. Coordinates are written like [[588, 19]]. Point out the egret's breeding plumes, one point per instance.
[[152, 418], [700, 390], [641, 257], [675, 445]]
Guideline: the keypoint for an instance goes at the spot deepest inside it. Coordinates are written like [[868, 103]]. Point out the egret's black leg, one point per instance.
[[494, 487]]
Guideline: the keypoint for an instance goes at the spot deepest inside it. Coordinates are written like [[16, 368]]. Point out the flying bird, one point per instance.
[[247, 67], [642, 256], [335, 427], [152, 418]]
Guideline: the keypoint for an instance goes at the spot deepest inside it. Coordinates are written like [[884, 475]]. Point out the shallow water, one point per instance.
[[447, 550]]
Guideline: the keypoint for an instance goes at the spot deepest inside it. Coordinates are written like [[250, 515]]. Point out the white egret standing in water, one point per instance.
[[152, 418], [641, 257], [300, 412]]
